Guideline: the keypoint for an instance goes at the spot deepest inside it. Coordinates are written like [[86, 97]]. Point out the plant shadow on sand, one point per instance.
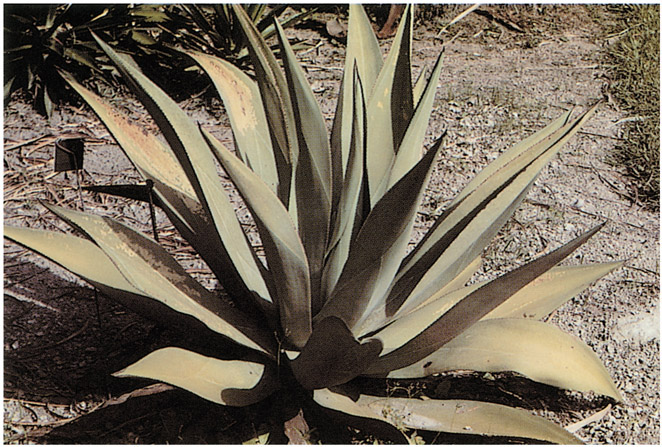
[[60, 354]]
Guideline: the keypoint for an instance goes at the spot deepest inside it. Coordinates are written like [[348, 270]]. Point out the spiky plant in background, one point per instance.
[[41, 39], [336, 300]]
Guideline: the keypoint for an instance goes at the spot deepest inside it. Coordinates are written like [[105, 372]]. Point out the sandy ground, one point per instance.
[[495, 90]]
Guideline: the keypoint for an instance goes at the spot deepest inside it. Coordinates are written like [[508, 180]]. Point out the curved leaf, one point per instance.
[[284, 251], [450, 416], [534, 301], [390, 109], [149, 155], [198, 164], [156, 162], [78, 255], [242, 101], [85, 259], [227, 382], [534, 349], [464, 230], [151, 270], [551, 290], [472, 308]]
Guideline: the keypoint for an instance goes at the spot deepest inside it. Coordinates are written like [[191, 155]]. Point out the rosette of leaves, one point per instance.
[[336, 300]]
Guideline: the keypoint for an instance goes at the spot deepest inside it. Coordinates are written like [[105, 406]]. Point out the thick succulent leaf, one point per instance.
[[419, 86], [379, 246], [85, 259], [332, 356], [377, 318], [240, 272], [466, 228], [450, 416], [460, 280], [410, 148], [534, 349], [151, 270], [149, 155], [350, 212], [78, 255], [536, 300], [277, 103], [551, 290], [390, 109], [197, 162], [227, 382], [511, 154], [363, 53], [472, 308], [241, 97], [156, 162], [312, 176], [249, 276], [284, 251]]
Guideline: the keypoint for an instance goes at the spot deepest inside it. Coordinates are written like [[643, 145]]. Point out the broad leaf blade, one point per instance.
[[350, 212], [450, 416], [150, 269], [148, 154], [379, 246], [85, 259], [284, 251], [277, 103], [198, 164], [390, 109], [466, 228], [472, 308], [227, 382], [80, 256], [551, 290], [312, 176], [409, 151], [534, 301], [539, 351], [241, 97]]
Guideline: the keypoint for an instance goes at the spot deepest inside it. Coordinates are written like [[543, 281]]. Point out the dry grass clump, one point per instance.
[[635, 59]]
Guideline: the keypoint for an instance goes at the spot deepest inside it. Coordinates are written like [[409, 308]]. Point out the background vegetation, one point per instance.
[[634, 57], [39, 39]]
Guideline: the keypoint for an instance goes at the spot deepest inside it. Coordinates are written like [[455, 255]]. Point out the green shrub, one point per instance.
[[635, 61]]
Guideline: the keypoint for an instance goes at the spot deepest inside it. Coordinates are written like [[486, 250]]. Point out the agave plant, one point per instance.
[[336, 299], [220, 28]]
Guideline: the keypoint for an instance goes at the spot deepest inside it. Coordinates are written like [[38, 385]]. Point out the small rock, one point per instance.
[[641, 327]]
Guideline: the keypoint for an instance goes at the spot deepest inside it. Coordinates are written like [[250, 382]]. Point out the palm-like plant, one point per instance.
[[336, 296]]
